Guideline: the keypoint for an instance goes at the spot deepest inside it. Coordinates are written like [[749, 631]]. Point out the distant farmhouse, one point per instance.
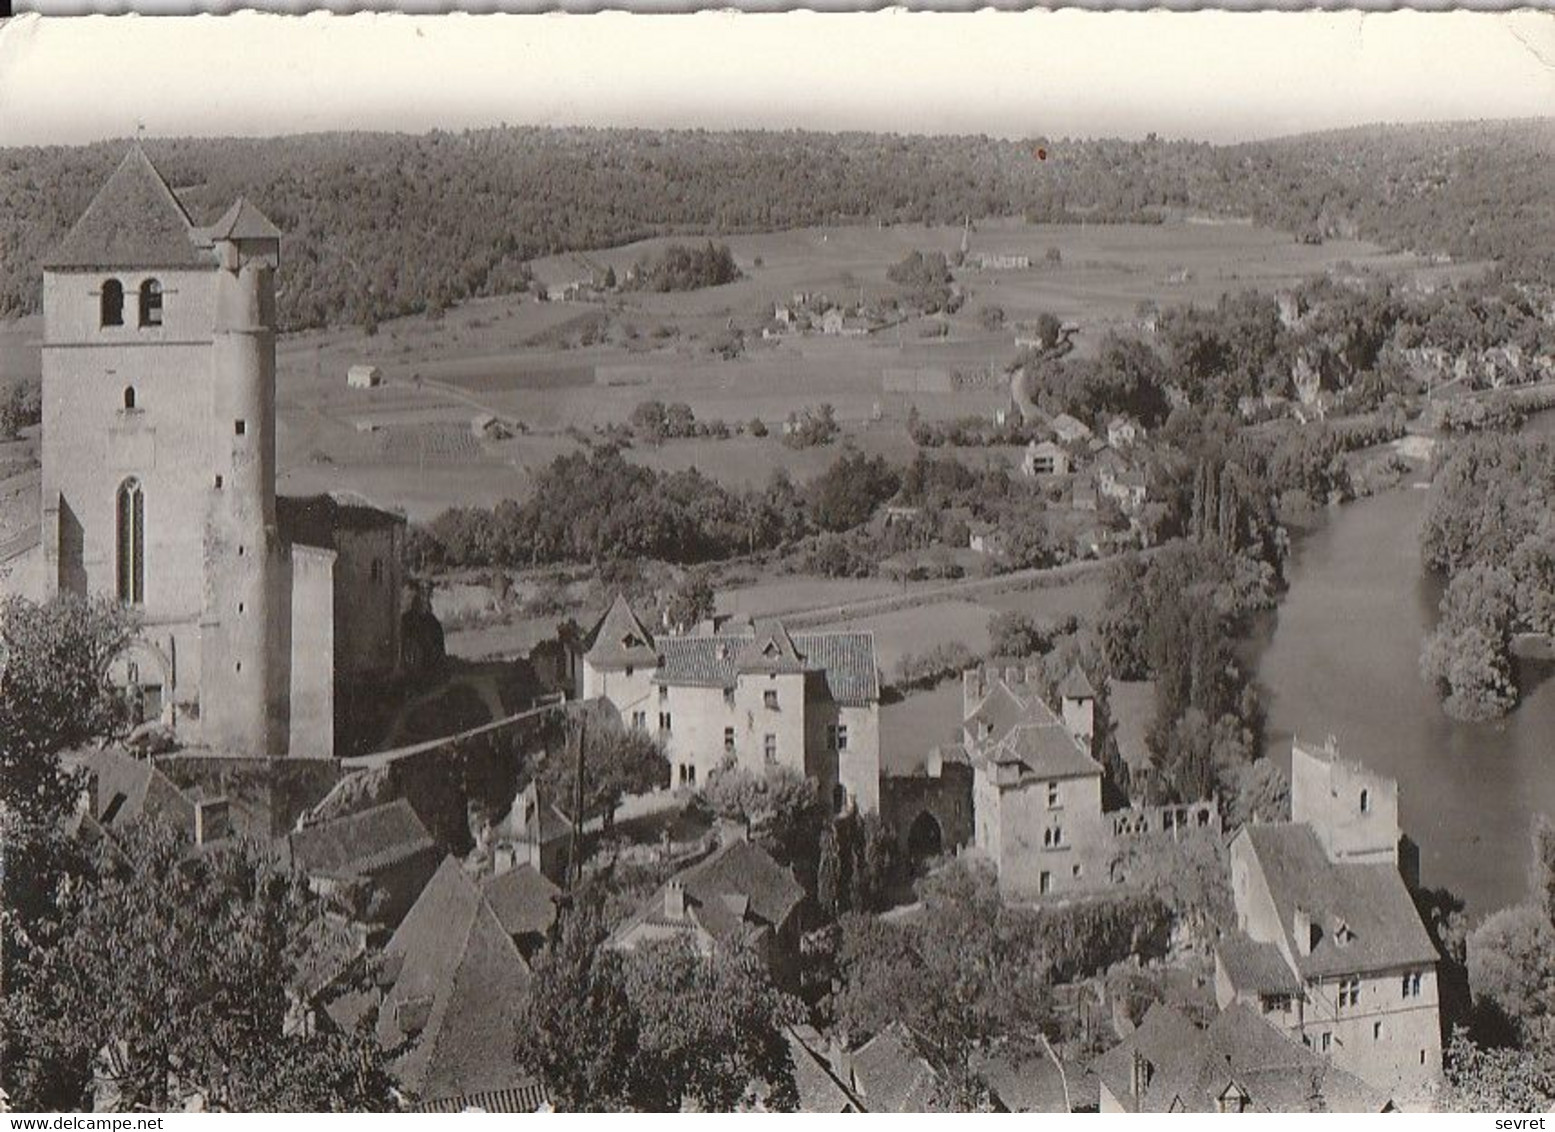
[[753, 694]]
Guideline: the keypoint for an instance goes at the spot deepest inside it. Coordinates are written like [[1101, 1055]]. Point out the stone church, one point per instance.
[[257, 614]]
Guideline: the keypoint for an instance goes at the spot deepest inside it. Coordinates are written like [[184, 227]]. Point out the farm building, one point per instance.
[[1069, 430], [1045, 459], [364, 377]]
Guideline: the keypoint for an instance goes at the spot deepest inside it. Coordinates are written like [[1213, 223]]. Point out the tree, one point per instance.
[[1190, 875], [617, 762], [1511, 961], [711, 1028], [1496, 1080], [779, 808], [846, 494], [829, 890], [175, 966], [692, 600], [579, 1030], [55, 693]]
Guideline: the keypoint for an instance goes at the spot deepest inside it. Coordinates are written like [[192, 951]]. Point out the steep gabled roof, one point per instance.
[[125, 788], [133, 221], [844, 660], [769, 650], [457, 995], [1369, 899], [620, 639], [362, 843], [1044, 750], [819, 1087], [892, 1072], [1001, 710], [1076, 686], [734, 893], [524, 900], [1256, 967]]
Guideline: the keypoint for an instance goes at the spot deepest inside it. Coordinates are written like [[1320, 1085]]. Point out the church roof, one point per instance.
[[133, 221], [243, 222]]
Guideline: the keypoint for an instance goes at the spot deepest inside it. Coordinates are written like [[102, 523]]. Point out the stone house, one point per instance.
[[1330, 946], [1069, 430], [738, 896], [1123, 431], [1044, 458], [378, 859], [751, 694]]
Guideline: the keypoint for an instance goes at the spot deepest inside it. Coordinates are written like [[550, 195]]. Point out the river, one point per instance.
[[1341, 657]]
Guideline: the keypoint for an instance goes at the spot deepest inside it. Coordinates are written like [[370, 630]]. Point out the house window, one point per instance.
[[769, 748], [842, 736], [640, 720], [729, 740], [1350, 992], [688, 774], [129, 397], [769, 698], [111, 303], [664, 693], [1045, 883], [1075, 872], [1052, 795], [1422, 1057], [1325, 1042], [628, 671], [1411, 987], [728, 697], [1052, 838], [1376, 1031], [239, 428], [664, 722], [1365, 801], [151, 303], [131, 543]]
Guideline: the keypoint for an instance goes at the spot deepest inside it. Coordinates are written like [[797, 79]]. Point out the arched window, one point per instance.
[[1365, 801], [151, 303], [112, 300], [129, 396], [131, 543]]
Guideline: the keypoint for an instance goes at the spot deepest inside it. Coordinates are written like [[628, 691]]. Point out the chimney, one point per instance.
[[1139, 1075], [674, 901], [212, 821], [1304, 930]]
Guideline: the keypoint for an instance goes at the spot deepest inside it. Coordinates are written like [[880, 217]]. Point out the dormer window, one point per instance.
[[151, 303], [111, 302]]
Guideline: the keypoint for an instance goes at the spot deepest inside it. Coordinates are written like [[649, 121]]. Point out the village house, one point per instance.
[[1069, 430], [1022, 790], [375, 861], [738, 896], [1237, 1062], [455, 989], [1044, 458], [985, 538], [1123, 431], [749, 694], [364, 377], [1329, 944], [1119, 480]]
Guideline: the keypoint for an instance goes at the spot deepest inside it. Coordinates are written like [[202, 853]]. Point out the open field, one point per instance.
[[551, 367]]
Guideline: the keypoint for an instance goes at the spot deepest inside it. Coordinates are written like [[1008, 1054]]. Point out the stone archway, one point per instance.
[[924, 837], [145, 674]]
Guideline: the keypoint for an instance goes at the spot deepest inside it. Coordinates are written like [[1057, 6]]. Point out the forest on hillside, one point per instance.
[[380, 225]]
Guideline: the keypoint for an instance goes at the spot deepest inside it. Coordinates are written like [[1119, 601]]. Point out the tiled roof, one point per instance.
[[1256, 967], [1000, 710], [769, 650], [133, 221], [621, 639], [846, 659], [361, 844], [1044, 750], [330, 945], [1077, 686], [523, 899], [734, 893], [530, 1095], [125, 788], [461, 977], [892, 1074], [1035, 1085], [1369, 899], [820, 1089]]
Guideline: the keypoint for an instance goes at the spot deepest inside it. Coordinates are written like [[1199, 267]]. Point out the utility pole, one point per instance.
[[575, 860]]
